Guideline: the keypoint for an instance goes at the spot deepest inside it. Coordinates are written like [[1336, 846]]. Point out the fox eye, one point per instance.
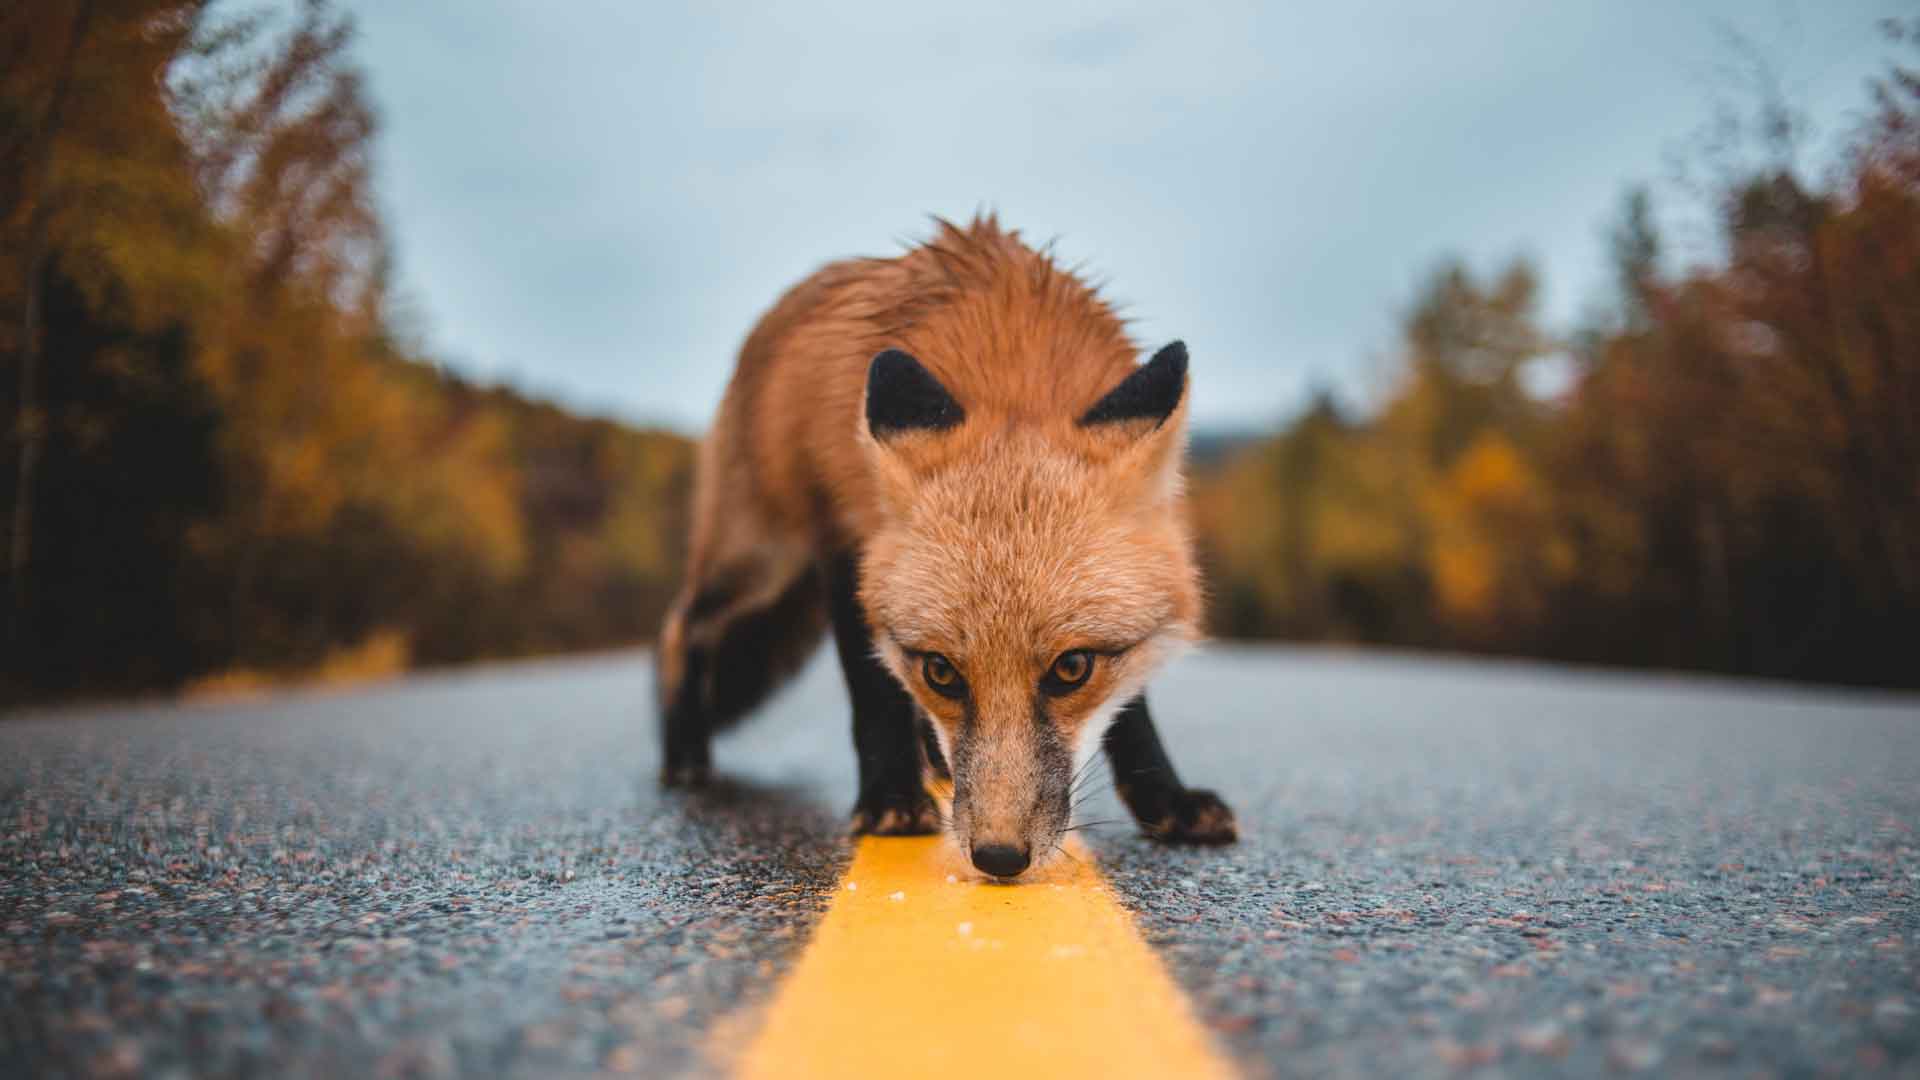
[[1069, 670], [942, 675]]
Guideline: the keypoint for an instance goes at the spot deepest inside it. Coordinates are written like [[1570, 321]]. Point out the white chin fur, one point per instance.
[[1163, 648], [943, 796], [1093, 732]]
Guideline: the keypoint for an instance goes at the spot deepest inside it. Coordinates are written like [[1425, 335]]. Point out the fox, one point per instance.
[[954, 461]]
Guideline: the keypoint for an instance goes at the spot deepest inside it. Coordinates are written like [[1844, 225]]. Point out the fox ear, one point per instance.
[[902, 395], [1151, 392]]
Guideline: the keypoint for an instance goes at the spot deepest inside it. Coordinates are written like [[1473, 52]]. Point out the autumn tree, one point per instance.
[[92, 171], [240, 467], [1732, 482]]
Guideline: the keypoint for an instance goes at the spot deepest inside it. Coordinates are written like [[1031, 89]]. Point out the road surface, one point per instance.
[[1445, 865]]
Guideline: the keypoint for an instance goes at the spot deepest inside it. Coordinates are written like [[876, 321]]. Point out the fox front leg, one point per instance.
[[1166, 809], [893, 800]]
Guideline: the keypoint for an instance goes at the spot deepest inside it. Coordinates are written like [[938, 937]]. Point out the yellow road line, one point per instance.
[[917, 971]]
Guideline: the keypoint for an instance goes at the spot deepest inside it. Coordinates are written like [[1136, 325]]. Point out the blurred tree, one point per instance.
[[280, 136], [240, 466], [1635, 247], [1374, 532], [1465, 345], [89, 169], [1732, 482], [130, 470]]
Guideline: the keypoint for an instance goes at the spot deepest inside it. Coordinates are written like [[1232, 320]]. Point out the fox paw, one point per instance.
[[1194, 816], [687, 775], [895, 815]]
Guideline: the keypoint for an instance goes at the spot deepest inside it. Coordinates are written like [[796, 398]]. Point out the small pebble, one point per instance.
[[1632, 1055]]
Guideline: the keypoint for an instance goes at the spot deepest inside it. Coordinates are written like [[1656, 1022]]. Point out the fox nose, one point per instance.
[[1001, 860]]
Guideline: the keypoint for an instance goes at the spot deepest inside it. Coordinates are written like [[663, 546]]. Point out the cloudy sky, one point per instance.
[[594, 200]]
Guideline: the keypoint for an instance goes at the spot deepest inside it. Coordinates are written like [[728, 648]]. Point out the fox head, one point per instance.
[[1026, 577]]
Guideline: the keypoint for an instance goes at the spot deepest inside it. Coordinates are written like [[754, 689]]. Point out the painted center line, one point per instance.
[[918, 971]]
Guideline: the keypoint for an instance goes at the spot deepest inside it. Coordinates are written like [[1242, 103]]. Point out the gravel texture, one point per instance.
[[460, 874], [1451, 865], [1445, 865]]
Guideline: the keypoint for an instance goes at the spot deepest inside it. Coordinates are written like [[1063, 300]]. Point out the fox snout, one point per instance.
[[1001, 860], [1010, 799]]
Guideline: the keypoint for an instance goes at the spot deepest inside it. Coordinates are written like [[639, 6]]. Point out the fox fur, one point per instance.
[[949, 454]]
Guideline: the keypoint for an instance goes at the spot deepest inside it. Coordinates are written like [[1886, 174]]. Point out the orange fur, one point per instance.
[[1000, 543]]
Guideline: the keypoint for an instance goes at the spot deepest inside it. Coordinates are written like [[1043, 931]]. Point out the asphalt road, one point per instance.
[[1445, 865]]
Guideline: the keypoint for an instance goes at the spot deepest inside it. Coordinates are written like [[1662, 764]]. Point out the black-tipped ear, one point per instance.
[[1152, 392], [904, 396]]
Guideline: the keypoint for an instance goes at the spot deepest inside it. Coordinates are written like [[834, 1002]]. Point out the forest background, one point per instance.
[[226, 466]]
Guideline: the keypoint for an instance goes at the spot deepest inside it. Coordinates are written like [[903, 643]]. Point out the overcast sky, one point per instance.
[[594, 201]]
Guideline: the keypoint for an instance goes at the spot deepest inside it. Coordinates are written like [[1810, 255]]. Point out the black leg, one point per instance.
[[733, 670], [893, 800], [686, 736], [1142, 774]]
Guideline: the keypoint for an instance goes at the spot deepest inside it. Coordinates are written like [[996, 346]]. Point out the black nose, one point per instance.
[[1000, 860]]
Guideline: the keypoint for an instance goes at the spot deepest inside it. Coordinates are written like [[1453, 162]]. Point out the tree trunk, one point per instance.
[[30, 423], [30, 426]]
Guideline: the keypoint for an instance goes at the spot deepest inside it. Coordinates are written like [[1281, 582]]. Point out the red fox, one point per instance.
[[952, 459]]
